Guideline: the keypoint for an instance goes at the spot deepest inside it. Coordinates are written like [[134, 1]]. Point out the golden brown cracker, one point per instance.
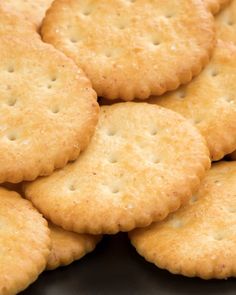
[[48, 110], [199, 239], [143, 162], [132, 49], [68, 246], [24, 243], [209, 101]]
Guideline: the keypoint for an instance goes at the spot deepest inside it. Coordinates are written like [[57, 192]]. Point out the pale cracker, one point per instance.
[[32, 10], [226, 23], [68, 246], [200, 239], [132, 49], [48, 110], [209, 101], [216, 5], [143, 162], [24, 243]]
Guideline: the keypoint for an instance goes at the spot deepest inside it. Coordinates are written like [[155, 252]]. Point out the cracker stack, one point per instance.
[[140, 167]]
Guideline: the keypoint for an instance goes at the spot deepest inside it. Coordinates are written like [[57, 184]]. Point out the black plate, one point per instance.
[[115, 268]]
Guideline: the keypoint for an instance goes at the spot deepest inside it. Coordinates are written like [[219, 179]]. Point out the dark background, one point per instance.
[[115, 268]]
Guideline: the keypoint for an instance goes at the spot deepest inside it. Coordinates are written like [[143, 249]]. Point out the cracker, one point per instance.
[[24, 243], [198, 240], [48, 110], [129, 48], [209, 101], [226, 23], [32, 10], [133, 172], [68, 246], [216, 5], [13, 24]]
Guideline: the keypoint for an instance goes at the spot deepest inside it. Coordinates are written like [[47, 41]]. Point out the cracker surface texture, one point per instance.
[[31, 10], [226, 23], [13, 24], [209, 101], [199, 240], [132, 49], [68, 246], [24, 243], [143, 162], [216, 5], [48, 110]]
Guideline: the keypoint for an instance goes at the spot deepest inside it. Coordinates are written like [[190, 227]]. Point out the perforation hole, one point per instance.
[[217, 182], [10, 69], [121, 26], [55, 110], [115, 190], [230, 23], [169, 15], [181, 94], [193, 200], [111, 132], [72, 188], [155, 160], [11, 102], [232, 210], [214, 73], [156, 42], [219, 236], [108, 54], [12, 136], [197, 121], [73, 40], [153, 132], [176, 223], [54, 79], [86, 12], [230, 100], [113, 159], [49, 86]]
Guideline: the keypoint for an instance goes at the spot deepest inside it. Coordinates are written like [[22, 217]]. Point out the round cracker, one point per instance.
[[48, 110], [226, 23], [68, 246], [31, 10], [143, 162], [24, 243], [216, 5], [209, 101], [129, 48], [198, 240]]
